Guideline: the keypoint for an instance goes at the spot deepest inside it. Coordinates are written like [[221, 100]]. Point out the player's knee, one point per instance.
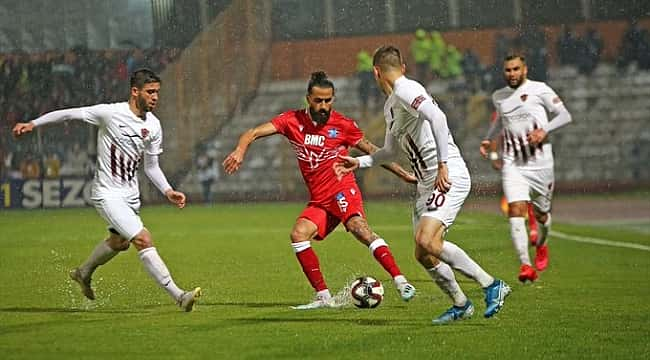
[[518, 209], [142, 240], [360, 230], [298, 235], [303, 230], [430, 243]]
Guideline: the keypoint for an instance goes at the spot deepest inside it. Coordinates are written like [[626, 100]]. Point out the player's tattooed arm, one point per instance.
[[366, 146], [369, 148]]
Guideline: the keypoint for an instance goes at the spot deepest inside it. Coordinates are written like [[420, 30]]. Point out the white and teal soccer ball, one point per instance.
[[366, 292]]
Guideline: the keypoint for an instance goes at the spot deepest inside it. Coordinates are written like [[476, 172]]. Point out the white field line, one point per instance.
[[597, 241], [379, 228], [576, 238]]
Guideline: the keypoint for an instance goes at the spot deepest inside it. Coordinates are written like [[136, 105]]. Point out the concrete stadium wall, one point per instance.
[[205, 86], [337, 56]]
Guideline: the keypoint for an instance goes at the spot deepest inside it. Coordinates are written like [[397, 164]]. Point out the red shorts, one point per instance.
[[340, 207]]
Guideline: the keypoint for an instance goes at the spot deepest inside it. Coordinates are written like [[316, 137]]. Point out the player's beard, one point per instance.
[[143, 106], [320, 117], [515, 82]]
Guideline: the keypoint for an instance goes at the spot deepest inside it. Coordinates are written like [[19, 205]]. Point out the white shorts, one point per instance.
[[536, 185], [121, 214], [443, 206]]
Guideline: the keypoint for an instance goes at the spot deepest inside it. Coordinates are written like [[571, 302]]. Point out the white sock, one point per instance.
[[543, 231], [520, 238], [324, 294], [100, 255], [443, 276], [376, 244], [400, 280], [459, 260], [159, 272], [300, 246]]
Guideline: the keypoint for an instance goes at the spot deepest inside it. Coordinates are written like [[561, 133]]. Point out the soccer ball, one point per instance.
[[366, 292]]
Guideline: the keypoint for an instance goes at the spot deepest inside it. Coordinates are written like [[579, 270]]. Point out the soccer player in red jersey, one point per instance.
[[318, 135]]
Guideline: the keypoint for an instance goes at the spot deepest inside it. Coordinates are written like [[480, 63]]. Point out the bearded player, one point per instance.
[[318, 135], [527, 173], [128, 134]]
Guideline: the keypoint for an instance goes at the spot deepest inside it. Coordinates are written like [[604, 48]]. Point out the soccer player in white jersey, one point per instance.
[[128, 134], [527, 173], [415, 123]]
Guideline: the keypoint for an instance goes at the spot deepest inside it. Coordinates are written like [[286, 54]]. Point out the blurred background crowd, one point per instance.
[[36, 83], [218, 42]]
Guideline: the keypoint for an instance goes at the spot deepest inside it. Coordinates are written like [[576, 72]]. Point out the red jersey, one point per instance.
[[317, 148]]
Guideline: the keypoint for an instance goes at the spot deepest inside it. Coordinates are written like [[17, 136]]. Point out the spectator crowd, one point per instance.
[[33, 84], [463, 84]]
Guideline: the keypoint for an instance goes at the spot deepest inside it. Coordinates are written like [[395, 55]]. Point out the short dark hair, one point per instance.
[[514, 57], [319, 79], [387, 57], [143, 76]]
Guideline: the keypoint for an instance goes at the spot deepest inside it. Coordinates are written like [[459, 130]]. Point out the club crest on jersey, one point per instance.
[[144, 132], [417, 101], [300, 127], [342, 202], [524, 97], [332, 133]]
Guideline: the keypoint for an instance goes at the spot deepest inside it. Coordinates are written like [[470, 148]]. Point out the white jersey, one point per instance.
[[522, 110], [414, 134], [122, 139]]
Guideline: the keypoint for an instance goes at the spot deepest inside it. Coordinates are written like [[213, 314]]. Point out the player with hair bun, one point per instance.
[[318, 135]]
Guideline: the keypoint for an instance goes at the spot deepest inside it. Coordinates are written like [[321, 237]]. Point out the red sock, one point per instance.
[[310, 266], [532, 222], [385, 258]]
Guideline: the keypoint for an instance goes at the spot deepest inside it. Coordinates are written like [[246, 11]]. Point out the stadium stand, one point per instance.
[[269, 171], [33, 84], [609, 140]]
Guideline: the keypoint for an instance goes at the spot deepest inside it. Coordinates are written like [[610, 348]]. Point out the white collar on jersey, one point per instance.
[[400, 79]]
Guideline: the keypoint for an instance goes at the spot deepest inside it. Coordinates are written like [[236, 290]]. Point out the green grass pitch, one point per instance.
[[592, 302]]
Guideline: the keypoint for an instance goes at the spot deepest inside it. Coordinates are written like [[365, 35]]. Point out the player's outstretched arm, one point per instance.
[[94, 115], [369, 148], [54, 117], [233, 161], [22, 129]]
